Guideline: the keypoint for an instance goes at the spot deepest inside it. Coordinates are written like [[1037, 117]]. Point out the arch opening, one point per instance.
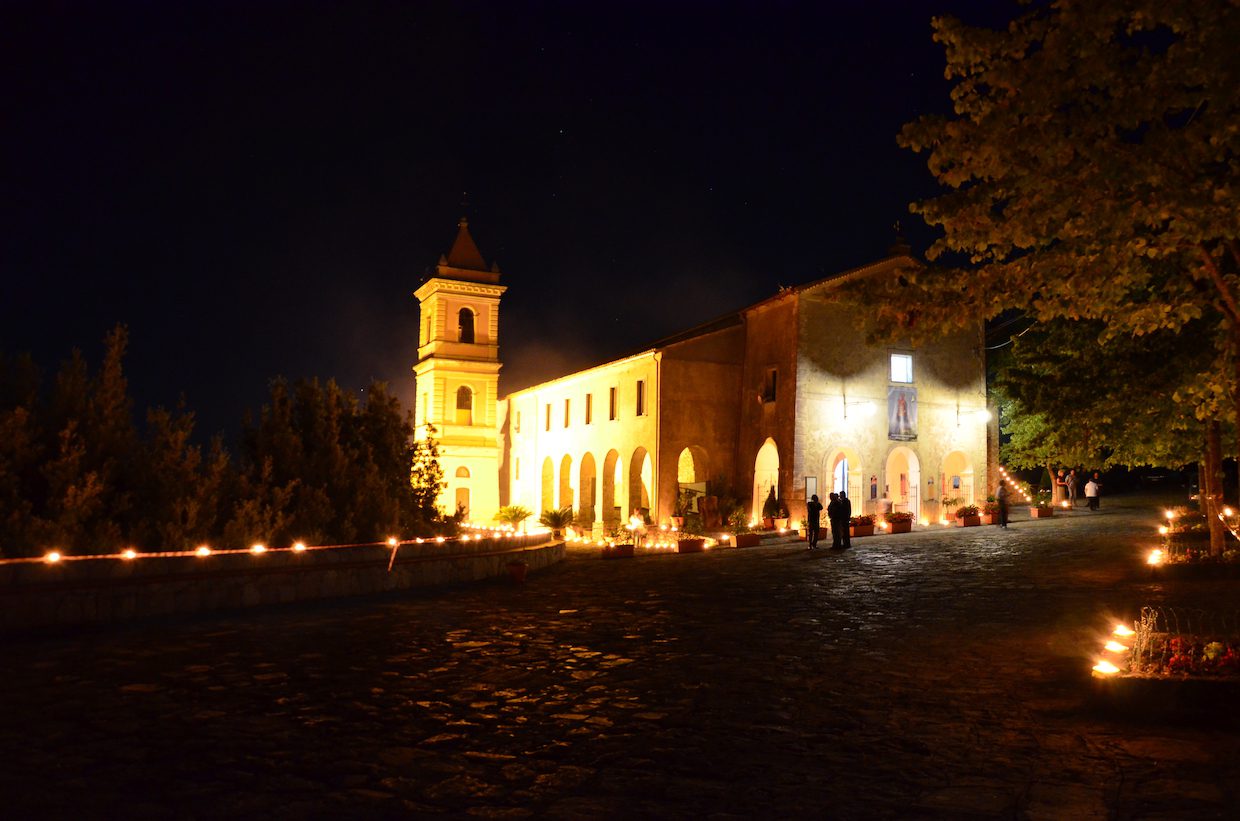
[[765, 475]]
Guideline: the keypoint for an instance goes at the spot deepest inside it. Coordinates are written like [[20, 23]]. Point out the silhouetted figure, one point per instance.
[[833, 516], [845, 516], [813, 509], [1001, 500]]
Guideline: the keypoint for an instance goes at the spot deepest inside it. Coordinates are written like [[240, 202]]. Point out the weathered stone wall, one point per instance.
[[112, 590]]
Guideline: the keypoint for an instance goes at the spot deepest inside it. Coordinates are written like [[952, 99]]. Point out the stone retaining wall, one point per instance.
[[112, 590]]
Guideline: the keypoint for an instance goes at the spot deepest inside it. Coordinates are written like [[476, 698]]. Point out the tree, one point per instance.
[[1092, 167]]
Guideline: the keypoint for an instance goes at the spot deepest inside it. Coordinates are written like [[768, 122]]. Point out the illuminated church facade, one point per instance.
[[783, 394]]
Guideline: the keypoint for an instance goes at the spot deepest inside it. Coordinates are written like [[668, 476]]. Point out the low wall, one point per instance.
[[112, 590]]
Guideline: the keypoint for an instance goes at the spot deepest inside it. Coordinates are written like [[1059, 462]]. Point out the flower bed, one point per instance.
[[1171, 661]]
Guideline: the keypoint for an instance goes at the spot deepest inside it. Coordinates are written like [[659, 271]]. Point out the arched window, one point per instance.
[[465, 321], [462, 472], [464, 406]]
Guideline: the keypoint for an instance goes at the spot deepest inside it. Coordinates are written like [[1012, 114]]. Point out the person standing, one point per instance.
[[1001, 500], [845, 516], [1072, 481], [833, 516], [812, 512], [1098, 494], [1091, 493]]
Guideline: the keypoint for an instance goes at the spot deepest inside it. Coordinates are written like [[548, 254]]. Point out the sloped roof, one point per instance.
[[465, 254]]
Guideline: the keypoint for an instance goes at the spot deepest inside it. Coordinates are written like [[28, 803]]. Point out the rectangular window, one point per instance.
[[611, 411], [641, 397], [589, 408], [517, 429], [901, 367], [567, 414], [518, 467], [548, 425], [768, 385]]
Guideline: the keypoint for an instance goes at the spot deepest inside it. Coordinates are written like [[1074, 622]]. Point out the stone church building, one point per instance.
[[784, 393]]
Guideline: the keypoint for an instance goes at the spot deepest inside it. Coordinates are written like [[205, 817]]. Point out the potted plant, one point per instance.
[[862, 525], [899, 521], [968, 516], [1041, 509], [781, 520], [557, 520], [743, 535], [990, 511], [770, 510], [682, 508]]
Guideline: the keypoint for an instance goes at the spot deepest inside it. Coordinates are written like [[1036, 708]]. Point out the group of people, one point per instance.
[[839, 512], [1070, 482]]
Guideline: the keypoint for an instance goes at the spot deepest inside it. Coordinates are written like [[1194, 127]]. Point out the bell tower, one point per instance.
[[458, 375]]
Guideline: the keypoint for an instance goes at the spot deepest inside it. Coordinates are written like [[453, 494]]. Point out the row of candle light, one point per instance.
[[1112, 648], [258, 549]]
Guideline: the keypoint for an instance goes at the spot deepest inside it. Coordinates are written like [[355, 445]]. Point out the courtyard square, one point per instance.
[[937, 674]]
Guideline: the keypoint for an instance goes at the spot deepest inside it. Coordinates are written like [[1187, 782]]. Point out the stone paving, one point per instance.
[[939, 674]]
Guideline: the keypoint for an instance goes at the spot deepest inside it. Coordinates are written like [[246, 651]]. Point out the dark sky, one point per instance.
[[256, 188]]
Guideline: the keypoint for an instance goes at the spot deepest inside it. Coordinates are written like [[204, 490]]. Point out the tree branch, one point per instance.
[[1229, 302]]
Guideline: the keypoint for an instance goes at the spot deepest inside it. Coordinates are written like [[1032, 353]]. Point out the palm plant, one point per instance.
[[513, 515], [557, 520]]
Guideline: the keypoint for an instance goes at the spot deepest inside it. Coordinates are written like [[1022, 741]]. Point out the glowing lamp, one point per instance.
[[440, 539], [1105, 668], [258, 548], [130, 554], [202, 550], [419, 540], [1122, 630], [1170, 514], [1114, 647], [299, 547], [393, 541], [1155, 558], [1227, 511], [52, 558], [1162, 530]]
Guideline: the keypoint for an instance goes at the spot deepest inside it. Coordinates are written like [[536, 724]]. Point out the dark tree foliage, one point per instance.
[[78, 475]]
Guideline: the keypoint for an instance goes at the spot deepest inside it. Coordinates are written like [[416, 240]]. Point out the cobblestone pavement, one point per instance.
[[940, 674]]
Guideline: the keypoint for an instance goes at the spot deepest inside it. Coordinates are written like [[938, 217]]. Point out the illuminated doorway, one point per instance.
[[765, 475], [903, 480]]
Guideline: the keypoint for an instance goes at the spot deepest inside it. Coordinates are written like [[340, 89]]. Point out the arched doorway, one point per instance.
[[844, 472], [765, 475], [586, 488], [691, 475], [611, 481], [566, 481], [956, 479], [641, 473], [548, 485], [902, 480]]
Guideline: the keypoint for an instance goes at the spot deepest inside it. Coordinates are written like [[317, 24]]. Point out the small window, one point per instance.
[[466, 325], [518, 467], [769, 384], [517, 428], [464, 406], [589, 408], [462, 472], [428, 330], [611, 411], [567, 414], [901, 367], [641, 397], [426, 407], [547, 425]]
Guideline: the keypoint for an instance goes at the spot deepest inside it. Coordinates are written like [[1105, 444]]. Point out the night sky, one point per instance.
[[256, 189]]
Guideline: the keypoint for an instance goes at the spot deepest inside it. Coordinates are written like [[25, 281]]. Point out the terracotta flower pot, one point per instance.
[[1041, 512], [968, 521], [690, 545], [901, 527], [861, 530], [517, 570], [748, 539]]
